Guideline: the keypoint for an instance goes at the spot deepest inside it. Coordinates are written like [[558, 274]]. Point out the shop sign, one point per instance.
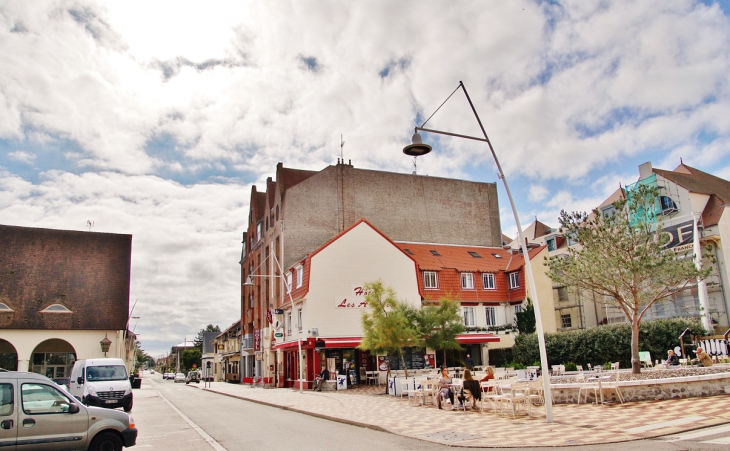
[[681, 236], [257, 340], [279, 334], [354, 299]]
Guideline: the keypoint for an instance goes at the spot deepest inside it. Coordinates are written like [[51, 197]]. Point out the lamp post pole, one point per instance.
[[417, 149]]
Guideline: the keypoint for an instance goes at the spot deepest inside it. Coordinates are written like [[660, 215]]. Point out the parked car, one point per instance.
[[193, 376], [180, 377], [152, 371], [102, 382], [52, 418], [169, 376]]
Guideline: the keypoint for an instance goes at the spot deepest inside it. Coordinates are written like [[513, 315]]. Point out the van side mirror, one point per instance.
[[80, 380], [73, 408]]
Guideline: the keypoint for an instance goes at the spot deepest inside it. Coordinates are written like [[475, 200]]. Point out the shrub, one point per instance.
[[610, 343], [570, 366], [500, 357]]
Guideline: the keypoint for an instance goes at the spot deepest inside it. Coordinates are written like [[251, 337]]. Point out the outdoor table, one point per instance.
[[600, 379]]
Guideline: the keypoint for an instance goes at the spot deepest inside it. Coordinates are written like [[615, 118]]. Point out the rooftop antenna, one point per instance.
[[89, 224], [342, 145]]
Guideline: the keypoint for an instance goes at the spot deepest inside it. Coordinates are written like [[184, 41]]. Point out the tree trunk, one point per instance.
[[387, 378], [403, 361], [635, 362]]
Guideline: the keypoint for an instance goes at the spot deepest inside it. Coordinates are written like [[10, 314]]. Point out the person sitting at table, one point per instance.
[[672, 358], [320, 380], [472, 385], [445, 390], [703, 359], [489, 376]]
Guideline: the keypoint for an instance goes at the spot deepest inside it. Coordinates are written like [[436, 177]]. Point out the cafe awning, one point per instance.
[[477, 338], [340, 342]]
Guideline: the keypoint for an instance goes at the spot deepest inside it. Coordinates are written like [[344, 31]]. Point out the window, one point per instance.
[[430, 280], [518, 308], [250, 301], [608, 211], [288, 322], [566, 321], [7, 403], [408, 251], [551, 244], [496, 255], [488, 281], [491, 316], [56, 308], [299, 316], [514, 280], [474, 254], [5, 308], [288, 281], [106, 373], [435, 253], [467, 281], [259, 226], [300, 275], [563, 294], [469, 316], [243, 251], [38, 399]]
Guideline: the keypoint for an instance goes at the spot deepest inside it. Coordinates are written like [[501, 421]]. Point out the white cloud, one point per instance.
[[538, 193], [139, 91]]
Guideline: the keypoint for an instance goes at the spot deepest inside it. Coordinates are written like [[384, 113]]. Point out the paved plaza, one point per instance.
[[574, 424]]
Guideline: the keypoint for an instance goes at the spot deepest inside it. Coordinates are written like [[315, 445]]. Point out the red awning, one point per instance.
[[291, 344], [347, 342], [477, 338]]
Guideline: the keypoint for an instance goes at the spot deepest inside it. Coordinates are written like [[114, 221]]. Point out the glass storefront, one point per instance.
[[53, 365]]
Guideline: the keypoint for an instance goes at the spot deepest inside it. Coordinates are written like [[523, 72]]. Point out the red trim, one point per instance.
[[477, 338], [342, 342], [294, 344]]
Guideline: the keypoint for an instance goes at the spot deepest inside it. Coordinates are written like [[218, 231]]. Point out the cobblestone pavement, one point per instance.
[[574, 424]]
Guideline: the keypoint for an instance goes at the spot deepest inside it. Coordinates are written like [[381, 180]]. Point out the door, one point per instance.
[[44, 422], [8, 415]]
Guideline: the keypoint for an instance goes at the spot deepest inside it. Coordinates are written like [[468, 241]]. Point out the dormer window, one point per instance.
[[300, 275], [474, 254], [56, 308], [496, 255], [435, 253], [5, 308]]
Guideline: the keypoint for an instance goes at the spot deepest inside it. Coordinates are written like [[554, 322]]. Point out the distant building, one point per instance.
[[687, 195], [302, 210], [64, 295], [209, 354], [227, 358]]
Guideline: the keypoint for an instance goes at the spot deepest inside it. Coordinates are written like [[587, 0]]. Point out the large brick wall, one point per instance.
[[403, 206], [87, 272]]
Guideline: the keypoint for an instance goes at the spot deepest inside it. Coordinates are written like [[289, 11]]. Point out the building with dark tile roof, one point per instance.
[[62, 292]]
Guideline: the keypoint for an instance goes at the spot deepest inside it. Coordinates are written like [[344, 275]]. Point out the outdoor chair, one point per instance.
[[372, 377], [468, 397], [492, 394], [516, 398], [614, 385], [429, 388], [579, 368], [583, 384]]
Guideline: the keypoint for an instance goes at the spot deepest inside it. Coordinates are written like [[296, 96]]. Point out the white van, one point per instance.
[[102, 383]]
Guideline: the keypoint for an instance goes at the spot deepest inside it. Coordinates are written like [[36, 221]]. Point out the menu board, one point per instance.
[[414, 359]]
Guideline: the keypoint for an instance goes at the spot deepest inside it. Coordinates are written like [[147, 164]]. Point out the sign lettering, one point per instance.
[[680, 236], [354, 300]]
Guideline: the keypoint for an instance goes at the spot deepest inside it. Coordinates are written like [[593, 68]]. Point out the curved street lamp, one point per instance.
[[416, 149]]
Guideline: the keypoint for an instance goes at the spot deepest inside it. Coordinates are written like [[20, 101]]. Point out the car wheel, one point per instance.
[[128, 407], [106, 441]]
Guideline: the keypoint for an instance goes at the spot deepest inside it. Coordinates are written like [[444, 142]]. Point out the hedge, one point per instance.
[[609, 343]]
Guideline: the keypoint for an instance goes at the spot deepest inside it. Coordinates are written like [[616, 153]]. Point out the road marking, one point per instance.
[[210, 440], [700, 433]]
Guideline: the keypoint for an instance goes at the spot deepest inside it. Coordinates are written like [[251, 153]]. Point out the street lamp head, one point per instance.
[[417, 148], [249, 282]]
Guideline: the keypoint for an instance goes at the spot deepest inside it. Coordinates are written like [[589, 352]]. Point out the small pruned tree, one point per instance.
[[387, 325], [622, 258], [525, 319], [439, 325]]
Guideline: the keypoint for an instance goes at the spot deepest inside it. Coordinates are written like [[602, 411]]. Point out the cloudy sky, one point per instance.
[[155, 118]]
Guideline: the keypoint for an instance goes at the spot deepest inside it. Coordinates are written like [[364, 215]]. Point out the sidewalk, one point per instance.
[[574, 424]]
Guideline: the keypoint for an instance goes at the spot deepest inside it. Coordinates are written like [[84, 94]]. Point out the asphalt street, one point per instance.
[[172, 416]]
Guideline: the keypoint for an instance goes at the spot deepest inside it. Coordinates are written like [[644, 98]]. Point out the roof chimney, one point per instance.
[[645, 170]]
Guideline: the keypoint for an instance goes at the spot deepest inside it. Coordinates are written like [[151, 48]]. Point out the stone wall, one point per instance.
[[650, 389]]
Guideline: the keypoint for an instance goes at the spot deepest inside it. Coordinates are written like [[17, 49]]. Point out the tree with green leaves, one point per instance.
[[189, 358], [525, 319], [387, 325], [198, 341], [439, 325], [622, 258]]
